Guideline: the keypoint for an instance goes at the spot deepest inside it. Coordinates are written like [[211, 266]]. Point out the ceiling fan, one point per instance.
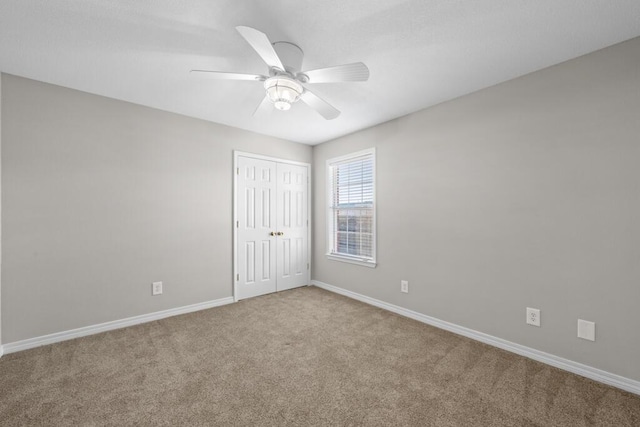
[[285, 83]]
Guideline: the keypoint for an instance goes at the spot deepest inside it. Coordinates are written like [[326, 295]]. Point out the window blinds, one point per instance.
[[351, 206]]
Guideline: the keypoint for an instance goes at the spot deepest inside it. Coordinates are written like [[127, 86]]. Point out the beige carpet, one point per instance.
[[302, 357]]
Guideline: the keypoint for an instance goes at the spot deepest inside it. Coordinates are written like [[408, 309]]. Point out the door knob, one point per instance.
[[273, 233], [280, 233]]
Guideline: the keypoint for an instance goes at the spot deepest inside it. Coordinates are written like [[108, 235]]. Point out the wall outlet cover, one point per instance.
[[586, 330], [533, 316], [156, 288], [404, 286]]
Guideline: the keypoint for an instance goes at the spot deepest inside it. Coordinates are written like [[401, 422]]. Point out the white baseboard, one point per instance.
[[109, 326], [595, 374]]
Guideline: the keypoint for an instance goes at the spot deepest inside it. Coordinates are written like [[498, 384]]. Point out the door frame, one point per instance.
[[235, 171]]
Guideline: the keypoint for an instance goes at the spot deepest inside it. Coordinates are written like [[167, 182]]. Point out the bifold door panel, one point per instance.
[[291, 220]]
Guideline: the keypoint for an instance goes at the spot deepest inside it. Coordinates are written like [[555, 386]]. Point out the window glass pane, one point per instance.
[[342, 220], [342, 243], [352, 221], [366, 246], [365, 221]]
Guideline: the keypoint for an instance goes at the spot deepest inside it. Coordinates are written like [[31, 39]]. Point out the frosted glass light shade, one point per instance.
[[283, 91]]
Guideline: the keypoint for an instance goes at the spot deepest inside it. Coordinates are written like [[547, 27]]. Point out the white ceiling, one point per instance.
[[419, 52]]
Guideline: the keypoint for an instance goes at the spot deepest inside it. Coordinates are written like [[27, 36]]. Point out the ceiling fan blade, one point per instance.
[[356, 72], [261, 44], [221, 75], [265, 105], [325, 109]]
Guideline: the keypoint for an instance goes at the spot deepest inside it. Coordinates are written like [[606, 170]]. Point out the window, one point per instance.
[[351, 226]]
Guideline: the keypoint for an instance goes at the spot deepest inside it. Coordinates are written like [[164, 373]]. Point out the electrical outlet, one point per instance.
[[404, 286], [156, 288], [533, 316], [586, 330]]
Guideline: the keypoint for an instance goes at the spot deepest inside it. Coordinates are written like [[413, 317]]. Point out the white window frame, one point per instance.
[[330, 232]]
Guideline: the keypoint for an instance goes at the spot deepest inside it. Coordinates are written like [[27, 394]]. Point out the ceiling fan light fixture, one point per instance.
[[284, 86], [283, 91], [282, 105]]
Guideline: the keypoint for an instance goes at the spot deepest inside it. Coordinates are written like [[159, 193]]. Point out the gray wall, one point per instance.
[[0, 210], [101, 197], [523, 194]]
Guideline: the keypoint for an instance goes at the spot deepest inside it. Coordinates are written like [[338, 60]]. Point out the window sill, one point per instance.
[[350, 260]]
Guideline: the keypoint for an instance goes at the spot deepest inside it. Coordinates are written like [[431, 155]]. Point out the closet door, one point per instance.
[[256, 227], [292, 226], [272, 226]]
